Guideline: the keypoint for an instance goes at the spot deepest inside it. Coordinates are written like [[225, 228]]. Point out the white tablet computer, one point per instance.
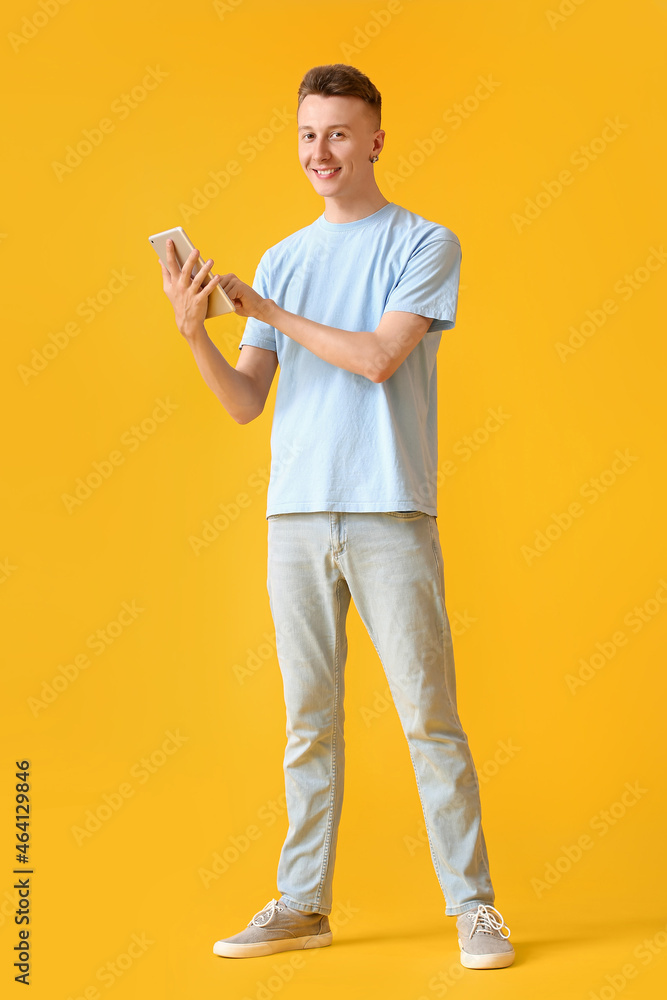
[[219, 302]]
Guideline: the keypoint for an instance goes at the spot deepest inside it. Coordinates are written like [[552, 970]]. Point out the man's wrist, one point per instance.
[[194, 334], [267, 312]]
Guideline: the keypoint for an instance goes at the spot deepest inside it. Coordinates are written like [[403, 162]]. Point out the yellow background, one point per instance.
[[521, 623]]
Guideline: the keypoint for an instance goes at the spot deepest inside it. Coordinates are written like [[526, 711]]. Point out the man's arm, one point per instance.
[[375, 354], [241, 390]]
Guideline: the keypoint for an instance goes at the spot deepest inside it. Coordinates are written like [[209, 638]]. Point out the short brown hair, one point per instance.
[[340, 80]]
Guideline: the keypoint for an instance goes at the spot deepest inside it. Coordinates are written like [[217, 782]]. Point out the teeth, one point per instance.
[[325, 173]]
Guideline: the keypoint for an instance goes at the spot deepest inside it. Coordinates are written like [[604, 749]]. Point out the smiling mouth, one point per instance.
[[328, 172]]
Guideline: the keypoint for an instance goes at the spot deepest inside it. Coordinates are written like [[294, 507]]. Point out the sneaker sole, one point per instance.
[[496, 960], [230, 950]]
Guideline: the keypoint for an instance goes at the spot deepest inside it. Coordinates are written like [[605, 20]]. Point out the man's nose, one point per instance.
[[320, 151]]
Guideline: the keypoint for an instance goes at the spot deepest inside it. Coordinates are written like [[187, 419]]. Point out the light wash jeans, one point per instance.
[[391, 565]]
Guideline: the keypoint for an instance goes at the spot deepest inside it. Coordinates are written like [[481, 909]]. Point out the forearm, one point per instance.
[[235, 390], [357, 352]]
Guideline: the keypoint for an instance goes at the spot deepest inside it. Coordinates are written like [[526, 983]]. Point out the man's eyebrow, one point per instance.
[[338, 125]]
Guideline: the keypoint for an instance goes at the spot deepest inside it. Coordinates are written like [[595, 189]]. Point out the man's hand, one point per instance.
[[186, 294], [246, 300]]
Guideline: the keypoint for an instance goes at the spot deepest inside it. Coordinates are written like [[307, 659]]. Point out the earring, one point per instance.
[[374, 159]]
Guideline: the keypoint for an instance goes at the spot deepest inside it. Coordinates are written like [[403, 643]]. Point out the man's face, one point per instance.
[[336, 134]]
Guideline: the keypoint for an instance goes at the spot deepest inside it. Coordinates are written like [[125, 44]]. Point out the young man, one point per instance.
[[352, 307]]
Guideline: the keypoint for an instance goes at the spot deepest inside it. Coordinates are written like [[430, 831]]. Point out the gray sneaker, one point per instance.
[[277, 927], [482, 943]]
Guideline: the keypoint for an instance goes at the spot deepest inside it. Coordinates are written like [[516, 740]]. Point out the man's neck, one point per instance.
[[338, 210]]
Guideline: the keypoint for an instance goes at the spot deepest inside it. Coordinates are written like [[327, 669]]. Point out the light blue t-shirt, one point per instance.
[[340, 442]]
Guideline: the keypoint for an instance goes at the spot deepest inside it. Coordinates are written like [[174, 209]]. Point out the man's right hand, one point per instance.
[[189, 299]]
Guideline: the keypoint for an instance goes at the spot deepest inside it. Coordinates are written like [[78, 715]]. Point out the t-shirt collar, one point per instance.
[[346, 227]]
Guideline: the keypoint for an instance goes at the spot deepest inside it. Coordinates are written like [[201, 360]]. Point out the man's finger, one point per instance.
[[230, 283], [166, 274], [215, 280], [200, 276], [172, 261], [190, 260]]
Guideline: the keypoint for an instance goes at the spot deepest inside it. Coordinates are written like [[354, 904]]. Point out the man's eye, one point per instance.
[[307, 135]]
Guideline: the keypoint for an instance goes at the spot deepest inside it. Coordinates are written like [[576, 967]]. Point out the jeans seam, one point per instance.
[[333, 770], [440, 590], [439, 572], [434, 858]]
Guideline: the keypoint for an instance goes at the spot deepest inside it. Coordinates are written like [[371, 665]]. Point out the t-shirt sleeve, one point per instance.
[[429, 284], [256, 333]]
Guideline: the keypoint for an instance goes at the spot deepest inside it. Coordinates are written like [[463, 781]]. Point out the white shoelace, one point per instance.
[[263, 916], [486, 922]]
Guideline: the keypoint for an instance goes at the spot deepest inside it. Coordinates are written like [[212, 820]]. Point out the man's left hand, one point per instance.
[[246, 300]]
